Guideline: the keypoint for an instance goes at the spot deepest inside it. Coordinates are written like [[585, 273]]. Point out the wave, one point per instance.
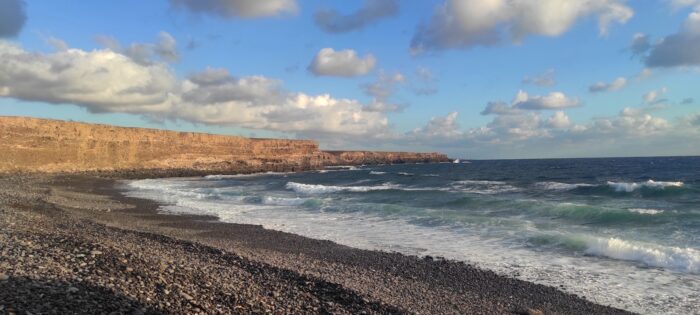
[[376, 173], [479, 182], [312, 189], [245, 175], [560, 186], [405, 174], [650, 255], [484, 187], [676, 258], [648, 188], [281, 201], [599, 215], [343, 167], [646, 211], [650, 184]]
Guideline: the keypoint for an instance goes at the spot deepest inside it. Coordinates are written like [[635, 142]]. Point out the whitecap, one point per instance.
[[281, 201], [484, 187], [245, 175], [479, 182], [343, 167], [560, 186], [630, 187], [324, 189], [646, 211], [676, 258]]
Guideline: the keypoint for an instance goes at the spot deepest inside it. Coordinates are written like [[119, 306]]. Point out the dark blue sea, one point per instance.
[[619, 231]]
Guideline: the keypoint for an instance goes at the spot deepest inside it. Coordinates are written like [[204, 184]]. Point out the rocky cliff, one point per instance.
[[374, 157], [30, 144]]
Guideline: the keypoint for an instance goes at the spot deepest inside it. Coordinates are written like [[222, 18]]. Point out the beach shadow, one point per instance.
[[22, 295]]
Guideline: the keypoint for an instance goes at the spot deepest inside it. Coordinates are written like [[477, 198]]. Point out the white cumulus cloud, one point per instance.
[[553, 100], [100, 80], [110, 81], [342, 63], [559, 120], [465, 23]]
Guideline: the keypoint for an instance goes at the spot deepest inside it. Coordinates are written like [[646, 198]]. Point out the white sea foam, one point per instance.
[[376, 173], [405, 174], [630, 187], [484, 187], [245, 175], [281, 201], [676, 258], [479, 182], [611, 281], [343, 167], [560, 186], [326, 189], [646, 211]]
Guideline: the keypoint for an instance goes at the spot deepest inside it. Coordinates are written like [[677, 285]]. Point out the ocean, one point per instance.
[[619, 231]]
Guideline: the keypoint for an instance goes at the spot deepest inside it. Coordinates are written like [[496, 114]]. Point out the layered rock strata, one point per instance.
[[41, 145]]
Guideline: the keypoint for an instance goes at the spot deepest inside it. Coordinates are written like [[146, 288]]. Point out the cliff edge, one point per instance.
[[43, 145]]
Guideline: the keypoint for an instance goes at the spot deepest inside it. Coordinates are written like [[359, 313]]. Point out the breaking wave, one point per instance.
[[646, 211], [650, 255], [245, 175], [560, 186], [312, 189], [676, 258], [650, 184], [484, 187]]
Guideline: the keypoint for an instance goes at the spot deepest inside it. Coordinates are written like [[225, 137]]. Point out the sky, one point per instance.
[[480, 79]]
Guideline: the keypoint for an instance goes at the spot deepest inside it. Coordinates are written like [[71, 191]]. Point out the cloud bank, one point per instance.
[[110, 81]]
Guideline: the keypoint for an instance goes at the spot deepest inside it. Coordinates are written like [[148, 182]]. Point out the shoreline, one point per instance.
[[388, 282]]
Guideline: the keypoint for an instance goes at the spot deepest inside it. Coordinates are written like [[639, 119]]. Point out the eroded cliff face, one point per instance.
[[30, 144]]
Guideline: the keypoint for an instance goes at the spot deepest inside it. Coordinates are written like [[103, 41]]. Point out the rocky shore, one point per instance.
[[74, 244]]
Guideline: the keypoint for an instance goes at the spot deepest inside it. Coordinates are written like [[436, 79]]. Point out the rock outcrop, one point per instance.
[[42, 145], [374, 157]]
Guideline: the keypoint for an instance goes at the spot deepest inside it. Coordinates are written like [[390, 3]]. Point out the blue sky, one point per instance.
[[434, 66]]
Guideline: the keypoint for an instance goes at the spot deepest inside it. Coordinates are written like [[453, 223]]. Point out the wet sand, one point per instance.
[[76, 244]]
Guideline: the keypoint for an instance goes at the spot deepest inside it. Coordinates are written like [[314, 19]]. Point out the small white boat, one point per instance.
[[456, 161]]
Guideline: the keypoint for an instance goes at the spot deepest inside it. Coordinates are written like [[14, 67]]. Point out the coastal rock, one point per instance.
[[54, 146]]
